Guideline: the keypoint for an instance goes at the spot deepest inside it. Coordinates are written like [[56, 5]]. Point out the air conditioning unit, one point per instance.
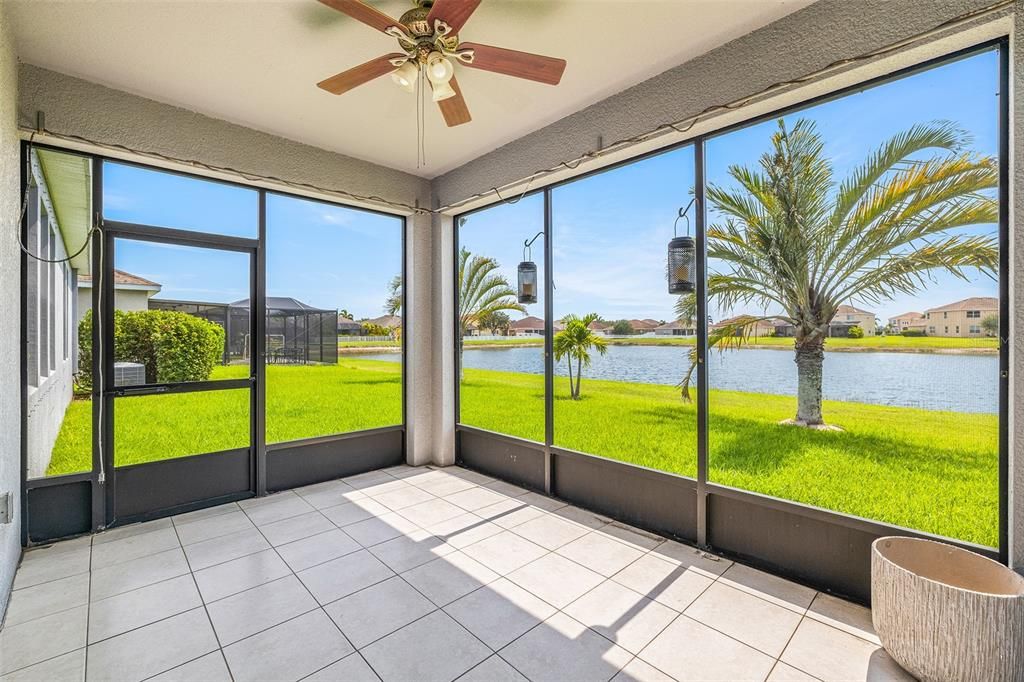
[[129, 374]]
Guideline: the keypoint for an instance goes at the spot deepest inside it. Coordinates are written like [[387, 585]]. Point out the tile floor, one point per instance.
[[416, 574]]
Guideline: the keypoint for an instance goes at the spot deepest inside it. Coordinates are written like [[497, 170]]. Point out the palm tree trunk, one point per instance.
[[810, 358], [572, 387], [579, 376]]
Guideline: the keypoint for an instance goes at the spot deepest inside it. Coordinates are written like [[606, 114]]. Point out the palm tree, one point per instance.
[[482, 292], [792, 239], [393, 304], [575, 342]]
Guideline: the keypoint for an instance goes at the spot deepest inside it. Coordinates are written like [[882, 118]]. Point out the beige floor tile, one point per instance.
[[379, 610], [550, 531], [352, 668], [69, 667], [409, 551], [688, 650], [317, 549], [671, 584], [286, 505], [289, 651], [225, 548], [627, 618], [787, 673], [380, 529], [475, 498], [634, 537], [205, 513], [208, 668], [600, 553], [243, 573], [499, 612], [555, 579], [348, 513], [133, 547], [212, 527], [763, 625], [434, 647], [445, 579], [582, 517], [296, 528], [131, 575], [431, 512], [504, 552], [510, 512], [443, 487], [844, 615], [129, 610], [128, 531], [463, 530], [692, 558], [47, 598], [769, 587], [41, 639], [639, 671], [506, 489], [494, 669], [406, 496], [152, 649], [45, 564], [341, 577], [246, 613], [542, 501], [831, 654], [329, 494], [561, 649]]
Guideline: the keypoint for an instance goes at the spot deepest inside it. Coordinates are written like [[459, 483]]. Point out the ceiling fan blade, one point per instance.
[[360, 11], [527, 65], [346, 80], [454, 109], [455, 13]]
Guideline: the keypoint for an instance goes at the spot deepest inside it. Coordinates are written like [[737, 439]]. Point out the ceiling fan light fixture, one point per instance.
[[439, 68], [442, 91], [405, 76]]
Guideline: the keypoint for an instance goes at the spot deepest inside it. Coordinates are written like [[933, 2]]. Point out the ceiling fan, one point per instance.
[[429, 40]]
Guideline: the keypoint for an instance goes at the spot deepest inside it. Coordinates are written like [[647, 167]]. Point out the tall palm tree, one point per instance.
[[575, 342], [791, 239], [482, 292]]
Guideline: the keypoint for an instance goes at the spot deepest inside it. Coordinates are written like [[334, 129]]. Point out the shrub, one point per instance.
[[172, 346], [912, 332], [855, 332], [622, 328]]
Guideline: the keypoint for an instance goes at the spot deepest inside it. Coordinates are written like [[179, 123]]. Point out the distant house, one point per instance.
[[348, 327], [528, 326], [387, 321], [676, 328], [600, 328], [907, 322], [761, 328], [131, 292], [847, 316], [644, 326], [960, 319]]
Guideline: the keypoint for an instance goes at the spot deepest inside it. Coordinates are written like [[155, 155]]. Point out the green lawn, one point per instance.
[[929, 470], [302, 402], [900, 343]]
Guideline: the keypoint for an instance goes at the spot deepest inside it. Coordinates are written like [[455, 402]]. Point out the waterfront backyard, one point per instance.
[[898, 465]]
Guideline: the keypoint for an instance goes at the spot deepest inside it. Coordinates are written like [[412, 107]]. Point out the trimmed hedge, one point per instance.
[[912, 332], [173, 346]]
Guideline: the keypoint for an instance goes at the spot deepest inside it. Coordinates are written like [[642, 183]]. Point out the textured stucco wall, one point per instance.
[[800, 43], [10, 285]]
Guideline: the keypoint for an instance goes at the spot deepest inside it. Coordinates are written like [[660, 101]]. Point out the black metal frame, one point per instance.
[[820, 547], [227, 475]]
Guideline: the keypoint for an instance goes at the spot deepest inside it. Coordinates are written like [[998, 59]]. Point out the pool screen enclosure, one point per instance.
[[297, 333]]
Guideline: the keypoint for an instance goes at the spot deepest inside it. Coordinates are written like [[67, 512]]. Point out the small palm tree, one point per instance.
[[575, 342], [793, 240], [393, 304], [482, 292]]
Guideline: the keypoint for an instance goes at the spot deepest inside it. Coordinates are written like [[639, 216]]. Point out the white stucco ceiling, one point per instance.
[[256, 63]]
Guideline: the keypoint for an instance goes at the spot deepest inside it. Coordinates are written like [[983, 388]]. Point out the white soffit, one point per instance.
[[257, 63]]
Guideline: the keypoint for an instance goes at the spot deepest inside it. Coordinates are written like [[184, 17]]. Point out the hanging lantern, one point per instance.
[[527, 282], [682, 258], [528, 272]]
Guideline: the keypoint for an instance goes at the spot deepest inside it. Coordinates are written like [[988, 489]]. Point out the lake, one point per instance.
[[932, 381]]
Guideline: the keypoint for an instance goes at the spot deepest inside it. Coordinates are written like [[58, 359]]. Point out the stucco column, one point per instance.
[[418, 339], [443, 393]]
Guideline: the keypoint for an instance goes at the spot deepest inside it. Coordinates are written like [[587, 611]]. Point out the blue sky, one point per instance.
[[324, 255], [610, 230]]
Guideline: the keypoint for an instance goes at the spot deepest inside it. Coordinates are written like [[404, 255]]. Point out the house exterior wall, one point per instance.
[[124, 299], [10, 284], [865, 321], [956, 323]]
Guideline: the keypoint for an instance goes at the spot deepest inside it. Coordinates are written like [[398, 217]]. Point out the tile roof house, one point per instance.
[[961, 318]]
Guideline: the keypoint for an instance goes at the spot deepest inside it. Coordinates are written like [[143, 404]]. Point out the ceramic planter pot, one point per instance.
[[944, 613]]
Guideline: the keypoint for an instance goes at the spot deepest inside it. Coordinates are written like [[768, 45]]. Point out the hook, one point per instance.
[[528, 246], [682, 216]]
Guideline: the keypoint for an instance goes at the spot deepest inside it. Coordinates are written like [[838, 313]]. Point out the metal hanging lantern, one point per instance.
[[528, 273], [682, 258]]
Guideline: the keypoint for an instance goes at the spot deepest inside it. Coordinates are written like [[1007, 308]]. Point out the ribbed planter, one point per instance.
[[944, 613]]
